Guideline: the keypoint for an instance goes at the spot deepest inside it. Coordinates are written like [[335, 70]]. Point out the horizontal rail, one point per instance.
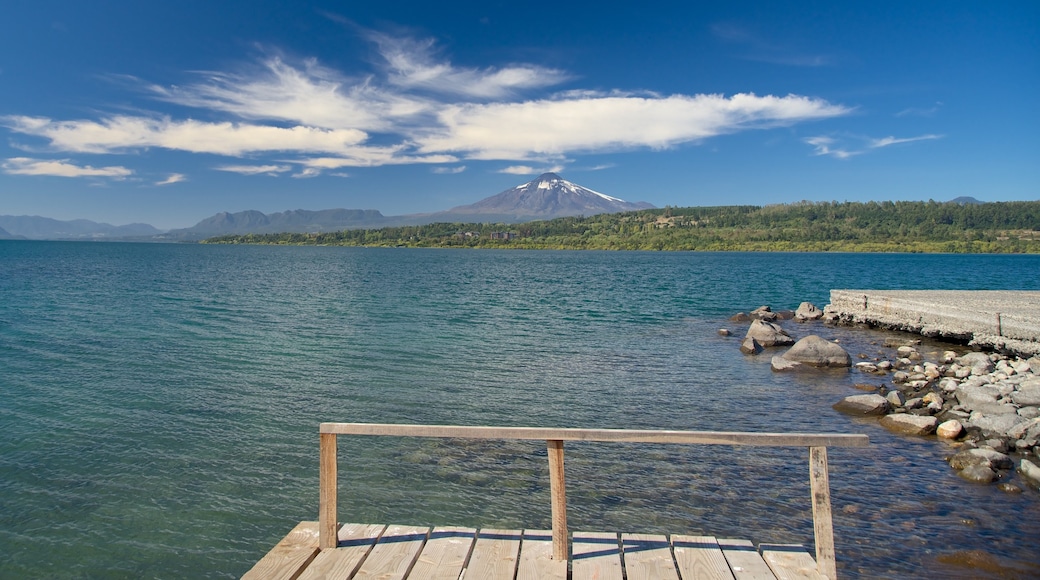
[[606, 435]]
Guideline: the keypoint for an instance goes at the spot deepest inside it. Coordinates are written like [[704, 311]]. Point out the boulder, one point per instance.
[[724, 332], [815, 351], [979, 362], [951, 429], [873, 404], [781, 364], [1030, 470], [909, 424], [981, 456], [978, 474], [750, 346], [995, 425], [895, 398], [768, 334], [807, 311], [1027, 395]]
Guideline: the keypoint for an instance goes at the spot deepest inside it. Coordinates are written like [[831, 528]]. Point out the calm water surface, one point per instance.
[[159, 403]]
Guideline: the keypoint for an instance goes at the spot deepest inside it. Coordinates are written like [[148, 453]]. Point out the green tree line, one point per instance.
[[900, 226]]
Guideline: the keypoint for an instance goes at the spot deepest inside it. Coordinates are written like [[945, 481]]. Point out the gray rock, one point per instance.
[[768, 334], [909, 424], [981, 456], [815, 351], [895, 398], [1021, 430], [1030, 470], [750, 346], [995, 425], [1027, 395], [979, 362], [978, 474], [781, 364], [807, 311], [982, 399], [873, 404], [1029, 412], [949, 429], [1034, 365], [724, 332]]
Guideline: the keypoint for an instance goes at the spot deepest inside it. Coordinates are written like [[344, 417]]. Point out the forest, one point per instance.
[[899, 226]]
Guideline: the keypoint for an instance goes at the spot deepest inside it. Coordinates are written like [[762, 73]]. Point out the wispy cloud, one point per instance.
[[255, 169], [528, 170], [173, 178], [830, 146], [757, 47], [449, 170], [417, 107], [920, 111], [60, 168]]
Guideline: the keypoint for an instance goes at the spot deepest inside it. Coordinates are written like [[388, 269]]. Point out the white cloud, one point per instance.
[[173, 178], [413, 65], [255, 169], [528, 170], [549, 128], [60, 168], [824, 145], [449, 170], [886, 141]]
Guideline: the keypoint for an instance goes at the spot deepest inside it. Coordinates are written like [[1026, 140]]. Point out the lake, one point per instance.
[[159, 403]]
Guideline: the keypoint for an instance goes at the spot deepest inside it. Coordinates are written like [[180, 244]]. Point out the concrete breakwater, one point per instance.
[[999, 320]]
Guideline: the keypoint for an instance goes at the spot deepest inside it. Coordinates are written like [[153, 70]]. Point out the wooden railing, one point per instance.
[[554, 438]]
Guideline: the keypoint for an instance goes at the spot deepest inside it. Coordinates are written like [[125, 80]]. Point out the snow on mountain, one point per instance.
[[547, 197]]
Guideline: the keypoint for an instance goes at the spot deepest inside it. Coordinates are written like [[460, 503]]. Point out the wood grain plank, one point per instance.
[[394, 553], [744, 561], [355, 541], [700, 557], [596, 556], [494, 555], [790, 562], [648, 557], [823, 527], [537, 559], [444, 555], [290, 556]]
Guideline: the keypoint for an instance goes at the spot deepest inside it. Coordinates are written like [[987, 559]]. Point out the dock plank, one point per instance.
[[648, 557], [354, 542], [790, 562], [536, 558], [444, 555], [494, 555], [595, 556], [290, 556], [395, 552], [744, 560], [700, 557]]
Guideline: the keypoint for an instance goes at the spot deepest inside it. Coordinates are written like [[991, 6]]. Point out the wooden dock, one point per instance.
[[328, 549], [443, 553]]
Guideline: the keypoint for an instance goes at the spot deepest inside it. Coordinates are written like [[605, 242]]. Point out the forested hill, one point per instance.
[[901, 226]]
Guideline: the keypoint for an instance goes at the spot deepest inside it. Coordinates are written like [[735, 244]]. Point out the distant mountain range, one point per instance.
[[547, 197]]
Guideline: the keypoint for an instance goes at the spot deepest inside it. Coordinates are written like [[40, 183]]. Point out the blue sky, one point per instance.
[[168, 112]]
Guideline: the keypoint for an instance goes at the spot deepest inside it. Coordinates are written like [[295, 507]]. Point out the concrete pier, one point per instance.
[[1002, 320]]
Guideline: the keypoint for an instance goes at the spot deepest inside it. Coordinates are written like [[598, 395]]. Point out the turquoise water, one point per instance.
[[159, 404]]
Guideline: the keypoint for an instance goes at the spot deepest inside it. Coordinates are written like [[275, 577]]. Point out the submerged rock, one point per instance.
[[909, 424], [781, 364], [863, 405]]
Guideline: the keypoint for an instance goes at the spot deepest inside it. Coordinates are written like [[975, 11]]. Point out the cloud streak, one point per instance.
[[830, 147], [60, 168]]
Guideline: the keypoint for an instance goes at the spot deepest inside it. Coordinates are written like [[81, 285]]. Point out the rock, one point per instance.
[[978, 474], [769, 334], [1009, 488], [981, 456], [997, 425], [949, 429], [863, 405], [1030, 470], [895, 398], [867, 367], [884, 365], [1027, 395], [948, 356], [979, 362], [897, 342], [1034, 365], [750, 346], [764, 313], [1020, 430], [724, 332], [815, 351], [930, 398], [1029, 412], [807, 311], [781, 364], [740, 317], [909, 424]]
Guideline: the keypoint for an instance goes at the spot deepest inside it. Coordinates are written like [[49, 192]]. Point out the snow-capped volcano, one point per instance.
[[549, 196]]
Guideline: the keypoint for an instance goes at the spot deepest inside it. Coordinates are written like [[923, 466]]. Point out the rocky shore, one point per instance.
[[986, 405]]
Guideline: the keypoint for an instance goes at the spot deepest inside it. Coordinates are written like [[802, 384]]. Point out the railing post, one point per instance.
[[558, 498], [823, 527], [327, 517]]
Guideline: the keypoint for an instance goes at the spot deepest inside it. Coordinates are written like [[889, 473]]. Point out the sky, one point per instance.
[[166, 112]]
